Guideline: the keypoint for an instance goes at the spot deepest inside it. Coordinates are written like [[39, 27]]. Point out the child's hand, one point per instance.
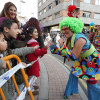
[[48, 44], [46, 47], [20, 31], [4, 65], [24, 64], [22, 36], [36, 47]]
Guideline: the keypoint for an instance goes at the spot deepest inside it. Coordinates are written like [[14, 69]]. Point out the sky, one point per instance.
[[29, 8]]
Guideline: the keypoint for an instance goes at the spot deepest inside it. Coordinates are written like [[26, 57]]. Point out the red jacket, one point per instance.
[[34, 69]]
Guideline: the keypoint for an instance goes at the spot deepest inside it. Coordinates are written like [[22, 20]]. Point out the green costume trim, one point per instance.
[[87, 53], [72, 40]]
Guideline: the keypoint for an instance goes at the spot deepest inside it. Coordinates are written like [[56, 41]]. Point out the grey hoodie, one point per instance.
[[8, 88]]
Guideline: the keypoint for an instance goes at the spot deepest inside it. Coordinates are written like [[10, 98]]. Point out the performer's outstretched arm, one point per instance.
[[65, 52]]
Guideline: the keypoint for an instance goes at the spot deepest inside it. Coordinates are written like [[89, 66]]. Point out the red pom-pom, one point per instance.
[[71, 8]]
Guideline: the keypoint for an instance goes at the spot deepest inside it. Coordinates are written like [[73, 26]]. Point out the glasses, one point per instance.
[[64, 29]]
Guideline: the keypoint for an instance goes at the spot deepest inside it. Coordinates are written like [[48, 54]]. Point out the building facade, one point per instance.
[[51, 12]]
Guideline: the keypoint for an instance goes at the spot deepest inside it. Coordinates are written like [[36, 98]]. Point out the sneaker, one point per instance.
[[71, 94], [35, 93], [65, 97], [36, 87]]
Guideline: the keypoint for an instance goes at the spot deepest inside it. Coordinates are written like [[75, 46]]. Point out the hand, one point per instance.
[[61, 41], [24, 64], [4, 64], [48, 43], [22, 36], [46, 47], [20, 31], [36, 47]]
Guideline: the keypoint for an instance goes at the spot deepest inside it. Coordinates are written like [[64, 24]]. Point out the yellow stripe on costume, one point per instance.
[[97, 77]]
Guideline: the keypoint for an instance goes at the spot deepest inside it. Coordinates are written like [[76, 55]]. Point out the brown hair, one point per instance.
[[33, 22], [4, 12], [77, 9]]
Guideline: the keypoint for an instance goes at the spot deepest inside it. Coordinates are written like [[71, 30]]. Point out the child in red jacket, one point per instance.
[[34, 70]]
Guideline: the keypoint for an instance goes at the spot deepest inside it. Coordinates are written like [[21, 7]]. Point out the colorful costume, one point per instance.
[[92, 31], [87, 65], [94, 36], [96, 40]]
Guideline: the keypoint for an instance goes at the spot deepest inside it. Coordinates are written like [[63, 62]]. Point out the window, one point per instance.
[[44, 1], [57, 15], [40, 21], [39, 4], [57, 2], [50, 6], [97, 2], [87, 14], [88, 1], [97, 16], [44, 20], [44, 10], [40, 13], [50, 17]]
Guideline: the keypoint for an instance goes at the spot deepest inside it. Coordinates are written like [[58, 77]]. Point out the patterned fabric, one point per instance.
[[96, 41], [64, 51], [87, 68]]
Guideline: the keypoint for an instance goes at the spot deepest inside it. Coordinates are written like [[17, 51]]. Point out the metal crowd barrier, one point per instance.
[[2, 77]]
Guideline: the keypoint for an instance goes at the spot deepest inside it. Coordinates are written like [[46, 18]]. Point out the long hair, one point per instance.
[[35, 23], [5, 13]]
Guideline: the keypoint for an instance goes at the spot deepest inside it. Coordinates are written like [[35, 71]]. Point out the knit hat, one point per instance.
[[92, 23]]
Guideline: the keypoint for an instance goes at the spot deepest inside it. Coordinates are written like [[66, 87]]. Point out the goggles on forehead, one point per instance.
[[64, 29]]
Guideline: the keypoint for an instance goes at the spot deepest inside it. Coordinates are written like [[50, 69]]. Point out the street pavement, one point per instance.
[[53, 79]]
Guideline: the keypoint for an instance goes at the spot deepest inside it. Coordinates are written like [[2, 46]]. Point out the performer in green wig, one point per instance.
[[86, 59]]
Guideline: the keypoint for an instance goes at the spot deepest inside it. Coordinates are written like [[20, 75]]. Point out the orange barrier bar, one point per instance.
[[2, 94], [23, 74], [13, 78]]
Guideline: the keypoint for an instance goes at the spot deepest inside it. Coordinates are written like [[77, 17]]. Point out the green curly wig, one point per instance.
[[75, 24]]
